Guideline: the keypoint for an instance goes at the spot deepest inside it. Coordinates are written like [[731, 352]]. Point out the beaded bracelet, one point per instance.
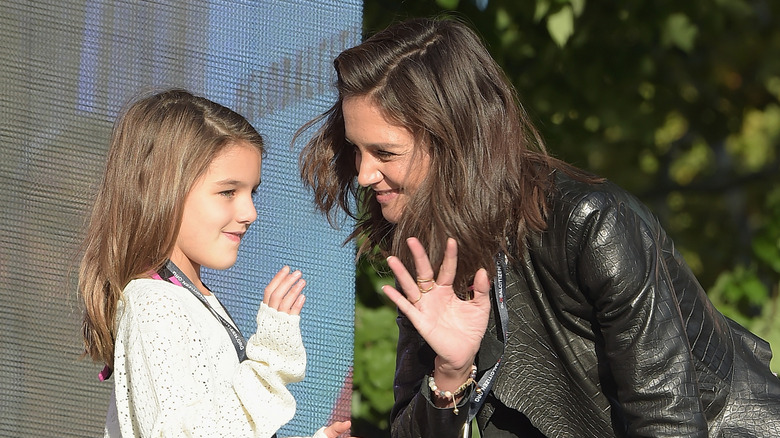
[[451, 395]]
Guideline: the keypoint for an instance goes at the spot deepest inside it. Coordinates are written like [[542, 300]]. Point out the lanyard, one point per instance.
[[477, 398], [169, 272]]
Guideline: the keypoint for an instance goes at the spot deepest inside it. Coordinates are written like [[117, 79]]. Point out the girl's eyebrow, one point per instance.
[[232, 182], [228, 182]]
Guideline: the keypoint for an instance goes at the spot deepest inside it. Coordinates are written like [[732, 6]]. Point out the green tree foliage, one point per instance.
[[679, 102], [374, 361]]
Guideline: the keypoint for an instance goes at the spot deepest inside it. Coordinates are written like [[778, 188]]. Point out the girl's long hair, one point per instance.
[[159, 147], [489, 174]]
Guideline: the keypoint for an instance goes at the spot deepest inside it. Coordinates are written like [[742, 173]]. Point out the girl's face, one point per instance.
[[218, 211], [385, 155]]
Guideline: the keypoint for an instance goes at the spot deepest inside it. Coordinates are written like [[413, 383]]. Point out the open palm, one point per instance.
[[451, 326]]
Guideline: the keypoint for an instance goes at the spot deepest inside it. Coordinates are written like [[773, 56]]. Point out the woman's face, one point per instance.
[[385, 155]]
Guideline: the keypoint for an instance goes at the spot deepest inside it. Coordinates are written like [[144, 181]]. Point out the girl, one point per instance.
[[176, 196]]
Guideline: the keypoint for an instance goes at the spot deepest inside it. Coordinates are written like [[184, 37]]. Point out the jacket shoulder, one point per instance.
[[574, 202]]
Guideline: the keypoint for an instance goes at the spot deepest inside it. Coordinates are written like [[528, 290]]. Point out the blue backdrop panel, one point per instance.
[[67, 68]]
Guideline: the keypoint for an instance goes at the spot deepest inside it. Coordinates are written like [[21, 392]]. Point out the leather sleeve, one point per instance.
[[414, 415], [615, 247]]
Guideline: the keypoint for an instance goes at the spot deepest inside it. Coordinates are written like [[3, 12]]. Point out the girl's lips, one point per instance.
[[236, 237]]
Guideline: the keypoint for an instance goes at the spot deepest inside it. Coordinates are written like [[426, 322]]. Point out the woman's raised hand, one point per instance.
[[283, 293], [451, 326]]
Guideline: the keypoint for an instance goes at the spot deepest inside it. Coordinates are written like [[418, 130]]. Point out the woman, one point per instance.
[[593, 326]]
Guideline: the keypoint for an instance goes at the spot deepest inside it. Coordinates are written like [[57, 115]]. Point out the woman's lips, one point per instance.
[[385, 196]]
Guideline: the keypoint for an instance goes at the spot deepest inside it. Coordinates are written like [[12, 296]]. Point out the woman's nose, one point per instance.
[[368, 171]]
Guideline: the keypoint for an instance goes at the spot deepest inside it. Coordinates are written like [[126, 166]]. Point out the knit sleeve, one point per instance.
[[177, 373]]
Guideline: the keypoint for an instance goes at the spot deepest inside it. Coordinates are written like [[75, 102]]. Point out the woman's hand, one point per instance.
[[451, 326], [283, 293]]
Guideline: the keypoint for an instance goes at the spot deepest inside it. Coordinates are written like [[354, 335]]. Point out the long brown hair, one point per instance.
[[489, 171], [159, 147]]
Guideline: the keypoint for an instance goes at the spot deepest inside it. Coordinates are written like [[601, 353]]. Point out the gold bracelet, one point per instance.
[[450, 395]]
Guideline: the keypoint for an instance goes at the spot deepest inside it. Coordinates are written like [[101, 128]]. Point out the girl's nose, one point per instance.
[[247, 212]]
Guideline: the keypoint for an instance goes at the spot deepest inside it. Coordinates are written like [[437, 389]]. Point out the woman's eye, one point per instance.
[[384, 155]]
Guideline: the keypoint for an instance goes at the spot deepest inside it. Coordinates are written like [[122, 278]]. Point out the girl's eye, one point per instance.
[[228, 193]]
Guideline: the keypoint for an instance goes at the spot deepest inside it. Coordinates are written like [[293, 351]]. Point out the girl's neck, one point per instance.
[[192, 271]]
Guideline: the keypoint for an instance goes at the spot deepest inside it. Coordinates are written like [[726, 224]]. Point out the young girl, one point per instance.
[[177, 195]]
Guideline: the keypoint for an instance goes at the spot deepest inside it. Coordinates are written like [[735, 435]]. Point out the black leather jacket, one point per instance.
[[610, 335]]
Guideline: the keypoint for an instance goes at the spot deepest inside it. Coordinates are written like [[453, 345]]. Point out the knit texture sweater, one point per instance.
[[176, 372]]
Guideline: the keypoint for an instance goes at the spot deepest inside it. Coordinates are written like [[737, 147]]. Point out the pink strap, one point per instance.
[[105, 374]]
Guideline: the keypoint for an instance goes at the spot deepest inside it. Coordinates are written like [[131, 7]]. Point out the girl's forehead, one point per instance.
[[241, 159]]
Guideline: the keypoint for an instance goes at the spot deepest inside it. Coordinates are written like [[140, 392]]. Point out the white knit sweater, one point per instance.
[[176, 372]]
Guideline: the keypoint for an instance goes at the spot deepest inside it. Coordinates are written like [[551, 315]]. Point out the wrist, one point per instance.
[[447, 371], [448, 394]]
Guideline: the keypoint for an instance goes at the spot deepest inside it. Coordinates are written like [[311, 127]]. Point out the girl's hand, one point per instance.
[[337, 428], [452, 327], [283, 293]]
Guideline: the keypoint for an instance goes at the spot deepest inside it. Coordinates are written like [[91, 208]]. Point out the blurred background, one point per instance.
[[677, 101], [67, 67]]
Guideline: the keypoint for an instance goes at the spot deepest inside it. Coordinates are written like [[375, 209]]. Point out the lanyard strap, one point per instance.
[[169, 272], [477, 397]]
